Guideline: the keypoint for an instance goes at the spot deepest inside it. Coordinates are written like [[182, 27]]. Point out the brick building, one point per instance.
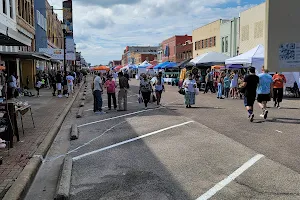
[[169, 47], [184, 51], [138, 54]]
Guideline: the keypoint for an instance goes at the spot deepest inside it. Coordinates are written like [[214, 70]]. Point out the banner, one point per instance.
[[68, 17], [57, 54], [70, 48]]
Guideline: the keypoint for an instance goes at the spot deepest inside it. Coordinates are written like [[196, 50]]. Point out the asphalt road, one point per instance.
[[208, 152]]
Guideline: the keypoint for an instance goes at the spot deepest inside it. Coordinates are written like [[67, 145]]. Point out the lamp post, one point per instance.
[[64, 26]]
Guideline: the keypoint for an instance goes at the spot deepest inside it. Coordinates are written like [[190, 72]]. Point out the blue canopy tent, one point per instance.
[[161, 65], [169, 65]]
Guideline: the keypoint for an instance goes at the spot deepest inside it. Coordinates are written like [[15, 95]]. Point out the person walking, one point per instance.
[[70, 84], [226, 85], [220, 85], [38, 86], [209, 82], [58, 84], [145, 89], [279, 80], [97, 92], [189, 85], [122, 95], [110, 84], [249, 89], [12, 85], [264, 91], [159, 87], [234, 85]]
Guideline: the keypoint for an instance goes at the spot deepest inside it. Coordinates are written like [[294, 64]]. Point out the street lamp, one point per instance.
[[64, 27]]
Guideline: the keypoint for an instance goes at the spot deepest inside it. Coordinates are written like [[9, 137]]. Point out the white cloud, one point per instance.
[[102, 30]]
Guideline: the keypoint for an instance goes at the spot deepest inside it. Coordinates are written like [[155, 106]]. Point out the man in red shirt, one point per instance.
[[279, 80]]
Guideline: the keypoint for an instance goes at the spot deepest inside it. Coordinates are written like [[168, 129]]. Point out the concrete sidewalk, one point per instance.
[[46, 110]]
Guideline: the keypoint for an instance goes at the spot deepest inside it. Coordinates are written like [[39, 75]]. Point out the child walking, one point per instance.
[[38, 86]]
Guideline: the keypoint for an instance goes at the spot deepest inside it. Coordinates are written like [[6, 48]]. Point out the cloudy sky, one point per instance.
[[103, 28]]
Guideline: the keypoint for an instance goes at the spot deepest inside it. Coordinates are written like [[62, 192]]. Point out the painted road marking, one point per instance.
[[130, 140], [120, 116], [230, 178], [278, 131]]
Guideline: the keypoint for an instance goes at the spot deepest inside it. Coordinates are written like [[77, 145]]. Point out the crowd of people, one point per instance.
[[250, 87], [150, 90]]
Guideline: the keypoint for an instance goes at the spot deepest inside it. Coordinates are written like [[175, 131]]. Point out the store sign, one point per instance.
[[68, 17], [57, 54], [41, 20]]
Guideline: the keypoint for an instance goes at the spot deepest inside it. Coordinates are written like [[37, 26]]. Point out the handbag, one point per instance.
[[140, 99], [181, 91], [197, 92]]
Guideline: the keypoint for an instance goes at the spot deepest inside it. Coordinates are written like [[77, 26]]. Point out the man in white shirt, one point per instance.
[[70, 80], [97, 92]]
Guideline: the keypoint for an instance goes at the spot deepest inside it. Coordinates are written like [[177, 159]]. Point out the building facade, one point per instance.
[[207, 38], [184, 51], [138, 54], [55, 33], [230, 39], [169, 47], [252, 27], [159, 53]]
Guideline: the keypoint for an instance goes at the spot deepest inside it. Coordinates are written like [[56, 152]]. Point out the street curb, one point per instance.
[[64, 182], [19, 188], [21, 185], [79, 113], [74, 132]]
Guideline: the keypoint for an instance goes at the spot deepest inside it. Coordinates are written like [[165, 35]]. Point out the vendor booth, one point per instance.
[[254, 58], [208, 59]]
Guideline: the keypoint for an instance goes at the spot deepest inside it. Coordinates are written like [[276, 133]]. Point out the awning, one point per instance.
[[25, 55], [10, 37]]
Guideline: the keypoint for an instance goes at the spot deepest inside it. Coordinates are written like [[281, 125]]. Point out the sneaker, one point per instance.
[[251, 117], [262, 115], [278, 107], [266, 114]]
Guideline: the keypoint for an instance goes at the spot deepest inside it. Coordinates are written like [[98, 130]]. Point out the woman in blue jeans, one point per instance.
[[220, 85]]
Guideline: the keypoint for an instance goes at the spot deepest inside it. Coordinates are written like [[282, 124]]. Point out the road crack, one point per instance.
[[266, 192]]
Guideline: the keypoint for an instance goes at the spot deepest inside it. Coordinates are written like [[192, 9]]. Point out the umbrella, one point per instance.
[[98, 68], [209, 59], [217, 67], [118, 68]]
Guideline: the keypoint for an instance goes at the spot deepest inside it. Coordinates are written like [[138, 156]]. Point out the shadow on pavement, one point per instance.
[[286, 120], [129, 171]]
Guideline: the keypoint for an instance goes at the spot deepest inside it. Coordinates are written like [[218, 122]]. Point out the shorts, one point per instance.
[[58, 86], [263, 97], [249, 101]]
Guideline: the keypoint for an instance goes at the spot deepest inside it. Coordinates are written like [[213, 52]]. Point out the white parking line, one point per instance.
[[128, 114], [106, 106], [230, 178], [130, 140]]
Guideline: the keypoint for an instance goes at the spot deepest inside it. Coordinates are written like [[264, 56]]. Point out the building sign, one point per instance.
[[68, 17], [70, 48], [289, 55], [57, 54]]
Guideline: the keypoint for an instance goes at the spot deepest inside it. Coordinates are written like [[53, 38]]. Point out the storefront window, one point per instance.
[[4, 6], [11, 11]]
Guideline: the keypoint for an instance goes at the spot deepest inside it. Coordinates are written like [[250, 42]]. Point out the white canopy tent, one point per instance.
[[210, 58], [255, 57]]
